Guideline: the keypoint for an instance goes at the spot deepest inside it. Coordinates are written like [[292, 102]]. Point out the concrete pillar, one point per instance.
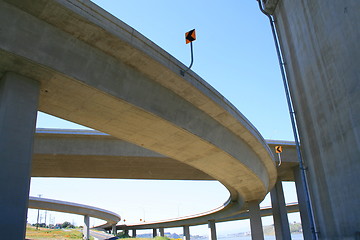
[[86, 230], [212, 230], [154, 232], [18, 111], [186, 233], [162, 232], [114, 231], [255, 221], [134, 233], [281, 222], [304, 213]]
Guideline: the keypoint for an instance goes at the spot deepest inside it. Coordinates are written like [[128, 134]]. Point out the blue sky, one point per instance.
[[234, 52]]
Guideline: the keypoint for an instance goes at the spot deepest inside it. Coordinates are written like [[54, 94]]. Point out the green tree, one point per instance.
[[67, 225]]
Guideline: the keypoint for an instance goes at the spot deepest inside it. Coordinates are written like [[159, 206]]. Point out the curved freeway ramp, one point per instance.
[[99, 72], [75, 208], [67, 151]]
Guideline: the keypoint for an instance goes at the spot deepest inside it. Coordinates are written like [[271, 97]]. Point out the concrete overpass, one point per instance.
[[108, 157], [111, 218], [88, 153], [71, 59]]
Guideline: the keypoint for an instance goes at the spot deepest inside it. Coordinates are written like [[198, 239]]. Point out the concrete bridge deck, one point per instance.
[[65, 153], [73, 60], [96, 71], [89, 153], [111, 218]]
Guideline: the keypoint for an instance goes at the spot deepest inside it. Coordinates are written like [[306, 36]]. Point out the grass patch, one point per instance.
[[49, 234]]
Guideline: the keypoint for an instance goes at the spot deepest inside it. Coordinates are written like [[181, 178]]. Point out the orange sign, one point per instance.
[[278, 149], [190, 36]]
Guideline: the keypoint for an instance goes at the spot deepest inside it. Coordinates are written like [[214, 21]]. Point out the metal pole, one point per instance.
[[293, 123], [182, 72], [37, 221], [279, 154]]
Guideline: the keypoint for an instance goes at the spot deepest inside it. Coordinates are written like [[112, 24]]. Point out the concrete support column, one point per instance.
[[86, 230], [255, 221], [154, 232], [18, 111], [134, 233], [304, 214], [212, 230], [281, 222], [114, 231], [162, 232], [186, 233]]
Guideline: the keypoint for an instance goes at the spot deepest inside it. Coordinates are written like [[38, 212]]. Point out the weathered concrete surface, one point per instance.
[[99, 72], [320, 42], [289, 158], [18, 110], [79, 153], [84, 153], [111, 218]]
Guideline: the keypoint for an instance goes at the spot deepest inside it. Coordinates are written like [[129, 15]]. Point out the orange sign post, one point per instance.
[[190, 36], [278, 150]]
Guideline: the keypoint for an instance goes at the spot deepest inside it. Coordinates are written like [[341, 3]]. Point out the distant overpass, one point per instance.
[[184, 221], [111, 218]]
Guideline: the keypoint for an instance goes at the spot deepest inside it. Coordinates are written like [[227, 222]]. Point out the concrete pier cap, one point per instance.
[[99, 72]]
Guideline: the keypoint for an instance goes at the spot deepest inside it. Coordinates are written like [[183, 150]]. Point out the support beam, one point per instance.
[[304, 213], [212, 230], [186, 233], [134, 233], [114, 231], [281, 222], [162, 232], [154, 232], [86, 230], [255, 221], [18, 111]]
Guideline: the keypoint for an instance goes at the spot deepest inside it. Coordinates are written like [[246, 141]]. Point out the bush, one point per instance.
[[123, 234]]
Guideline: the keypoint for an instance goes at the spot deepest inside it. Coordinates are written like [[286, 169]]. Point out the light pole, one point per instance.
[[37, 221]]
